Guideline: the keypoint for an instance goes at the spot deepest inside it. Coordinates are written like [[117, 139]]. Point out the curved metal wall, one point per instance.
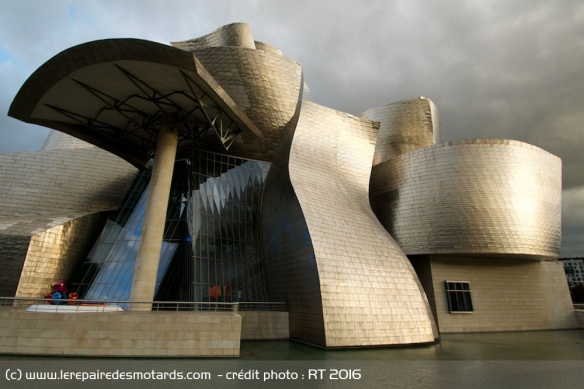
[[235, 34], [288, 257], [59, 140], [368, 291], [267, 48], [404, 126], [55, 253], [266, 86], [482, 196], [52, 196]]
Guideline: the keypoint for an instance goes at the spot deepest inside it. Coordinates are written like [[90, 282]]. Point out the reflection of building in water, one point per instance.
[[371, 230]]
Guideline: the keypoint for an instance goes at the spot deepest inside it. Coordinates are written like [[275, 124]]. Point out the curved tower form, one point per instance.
[[404, 126], [327, 256], [265, 85], [480, 221], [483, 196]]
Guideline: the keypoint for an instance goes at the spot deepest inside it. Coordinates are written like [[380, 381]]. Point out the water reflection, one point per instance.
[[550, 359], [536, 345]]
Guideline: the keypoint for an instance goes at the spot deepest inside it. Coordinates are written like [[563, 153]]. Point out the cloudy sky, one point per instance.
[[495, 68]]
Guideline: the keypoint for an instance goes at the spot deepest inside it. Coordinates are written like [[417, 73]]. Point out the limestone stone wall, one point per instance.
[[506, 295], [580, 318], [124, 334], [264, 325]]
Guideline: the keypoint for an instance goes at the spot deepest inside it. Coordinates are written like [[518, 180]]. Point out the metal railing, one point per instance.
[[262, 306], [77, 305], [579, 306]]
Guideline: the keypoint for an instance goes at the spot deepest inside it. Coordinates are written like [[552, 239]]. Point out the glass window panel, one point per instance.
[[458, 296], [221, 218]]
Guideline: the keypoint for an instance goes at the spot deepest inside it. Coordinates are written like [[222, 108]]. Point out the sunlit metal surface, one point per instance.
[[234, 34], [53, 254], [404, 126], [264, 85], [345, 279], [59, 140], [50, 204], [485, 196]]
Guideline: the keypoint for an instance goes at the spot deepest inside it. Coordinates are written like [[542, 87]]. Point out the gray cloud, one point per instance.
[[494, 68]]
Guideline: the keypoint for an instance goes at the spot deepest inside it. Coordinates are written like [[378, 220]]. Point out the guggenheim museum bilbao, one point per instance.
[[205, 172]]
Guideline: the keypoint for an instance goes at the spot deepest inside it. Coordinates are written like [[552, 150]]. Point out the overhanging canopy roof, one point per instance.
[[116, 93]]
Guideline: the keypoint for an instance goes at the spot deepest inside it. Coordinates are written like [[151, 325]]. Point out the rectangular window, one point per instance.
[[458, 296], [569, 270]]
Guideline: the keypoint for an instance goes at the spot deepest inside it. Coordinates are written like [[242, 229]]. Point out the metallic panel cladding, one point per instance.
[[59, 140], [288, 257], [52, 196], [264, 85], [53, 255], [452, 207], [234, 34], [368, 290], [404, 126], [482, 196], [43, 189], [13, 250]]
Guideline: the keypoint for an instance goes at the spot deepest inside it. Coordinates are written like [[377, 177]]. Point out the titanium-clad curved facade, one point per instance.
[[266, 86], [52, 204], [59, 140], [234, 34], [487, 196], [404, 126], [354, 271], [274, 197]]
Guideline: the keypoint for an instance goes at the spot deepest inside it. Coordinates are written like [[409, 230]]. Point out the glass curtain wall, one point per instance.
[[211, 249], [108, 271], [224, 198]]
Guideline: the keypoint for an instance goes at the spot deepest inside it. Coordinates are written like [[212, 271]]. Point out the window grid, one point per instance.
[[223, 207], [458, 296], [211, 226]]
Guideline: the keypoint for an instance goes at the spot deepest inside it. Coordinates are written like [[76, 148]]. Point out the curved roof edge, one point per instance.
[[107, 51], [234, 34], [493, 141]]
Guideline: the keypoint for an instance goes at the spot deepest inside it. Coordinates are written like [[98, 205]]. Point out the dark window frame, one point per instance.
[[458, 297]]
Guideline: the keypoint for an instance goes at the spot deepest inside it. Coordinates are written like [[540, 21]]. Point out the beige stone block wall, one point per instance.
[[263, 325], [125, 334], [507, 295], [579, 318]]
